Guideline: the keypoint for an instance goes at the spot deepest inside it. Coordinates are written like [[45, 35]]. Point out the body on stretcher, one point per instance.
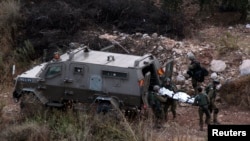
[[180, 96]]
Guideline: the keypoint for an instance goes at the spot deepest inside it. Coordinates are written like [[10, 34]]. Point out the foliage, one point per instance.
[[172, 5], [236, 5], [232, 5], [227, 43], [237, 92], [10, 18], [27, 131], [59, 125], [25, 53]]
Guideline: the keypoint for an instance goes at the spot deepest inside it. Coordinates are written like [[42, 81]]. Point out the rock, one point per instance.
[[245, 67], [218, 65]]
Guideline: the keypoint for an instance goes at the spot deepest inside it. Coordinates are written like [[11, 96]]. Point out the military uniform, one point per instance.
[[170, 102], [155, 101], [192, 66], [212, 92], [155, 104], [202, 101]]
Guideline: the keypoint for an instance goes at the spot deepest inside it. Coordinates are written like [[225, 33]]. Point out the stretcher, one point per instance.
[[180, 96]]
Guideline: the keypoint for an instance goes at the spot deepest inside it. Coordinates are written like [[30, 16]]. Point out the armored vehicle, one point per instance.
[[88, 76]]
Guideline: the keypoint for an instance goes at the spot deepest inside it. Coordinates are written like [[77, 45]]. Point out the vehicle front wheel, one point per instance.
[[30, 105]]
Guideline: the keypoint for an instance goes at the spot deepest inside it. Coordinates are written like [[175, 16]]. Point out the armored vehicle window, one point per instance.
[[53, 71], [115, 74], [78, 70]]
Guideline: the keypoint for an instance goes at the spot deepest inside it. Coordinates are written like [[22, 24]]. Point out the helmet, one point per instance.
[[156, 87], [214, 76], [190, 56], [199, 89], [167, 79]]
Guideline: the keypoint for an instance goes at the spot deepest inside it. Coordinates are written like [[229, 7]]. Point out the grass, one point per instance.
[[24, 54], [227, 43], [9, 21], [59, 125], [237, 92]]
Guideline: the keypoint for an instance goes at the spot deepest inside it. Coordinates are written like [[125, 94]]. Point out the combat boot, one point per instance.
[[174, 114], [215, 121], [174, 117]]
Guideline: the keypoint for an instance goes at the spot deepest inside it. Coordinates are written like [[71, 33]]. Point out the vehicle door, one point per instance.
[[75, 80], [52, 80], [169, 69], [145, 89]]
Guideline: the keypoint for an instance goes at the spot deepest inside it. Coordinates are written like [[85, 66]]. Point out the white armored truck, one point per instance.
[[83, 75]]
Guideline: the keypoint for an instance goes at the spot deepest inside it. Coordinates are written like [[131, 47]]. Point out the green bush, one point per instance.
[[227, 43], [25, 54]]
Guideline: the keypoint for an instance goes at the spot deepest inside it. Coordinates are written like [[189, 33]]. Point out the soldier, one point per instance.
[[155, 101], [202, 101], [170, 102], [211, 91], [191, 68]]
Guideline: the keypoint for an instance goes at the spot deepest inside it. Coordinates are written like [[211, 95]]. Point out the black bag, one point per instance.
[[205, 71], [200, 74]]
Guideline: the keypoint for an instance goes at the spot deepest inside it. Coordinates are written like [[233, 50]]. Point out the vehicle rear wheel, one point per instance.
[[30, 105]]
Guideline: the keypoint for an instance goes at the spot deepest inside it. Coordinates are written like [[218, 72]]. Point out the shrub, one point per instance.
[[227, 43], [9, 21], [237, 92], [25, 53], [9, 18]]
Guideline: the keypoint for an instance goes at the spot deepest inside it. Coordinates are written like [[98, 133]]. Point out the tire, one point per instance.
[[30, 105]]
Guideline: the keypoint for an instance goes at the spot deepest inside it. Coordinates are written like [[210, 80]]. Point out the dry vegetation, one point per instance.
[[9, 20], [57, 125], [237, 92], [62, 125]]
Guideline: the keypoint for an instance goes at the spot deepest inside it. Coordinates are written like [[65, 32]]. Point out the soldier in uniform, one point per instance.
[[211, 91], [202, 101], [191, 68], [155, 101], [170, 102]]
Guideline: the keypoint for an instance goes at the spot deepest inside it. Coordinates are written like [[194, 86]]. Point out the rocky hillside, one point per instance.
[[224, 51]]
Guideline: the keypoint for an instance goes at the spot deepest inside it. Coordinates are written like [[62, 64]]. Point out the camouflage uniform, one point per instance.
[[212, 92], [170, 102], [156, 105], [202, 101], [192, 66]]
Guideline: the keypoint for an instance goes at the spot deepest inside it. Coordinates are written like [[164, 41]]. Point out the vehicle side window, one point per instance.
[[53, 71], [113, 74], [78, 70]]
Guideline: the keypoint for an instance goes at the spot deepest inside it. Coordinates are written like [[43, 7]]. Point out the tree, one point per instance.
[[242, 6], [172, 5]]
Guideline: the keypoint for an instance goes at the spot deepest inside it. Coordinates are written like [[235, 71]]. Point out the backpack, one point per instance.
[[198, 73]]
